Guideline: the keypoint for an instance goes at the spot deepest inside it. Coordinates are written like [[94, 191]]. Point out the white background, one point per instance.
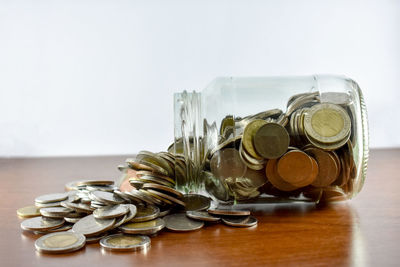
[[91, 77]]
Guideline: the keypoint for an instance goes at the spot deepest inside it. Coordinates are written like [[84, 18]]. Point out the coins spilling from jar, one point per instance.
[[305, 152], [99, 212]]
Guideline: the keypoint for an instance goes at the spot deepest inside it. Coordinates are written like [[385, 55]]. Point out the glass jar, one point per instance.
[[269, 139]]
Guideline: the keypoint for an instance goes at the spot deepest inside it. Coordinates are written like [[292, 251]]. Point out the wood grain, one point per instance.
[[362, 232]]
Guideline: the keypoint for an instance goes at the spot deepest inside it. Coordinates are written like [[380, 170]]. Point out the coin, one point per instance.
[[90, 226], [106, 197], [179, 222], [275, 179], [240, 221], [59, 212], [248, 137], [144, 228], [108, 212], [168, 197], [163, 188], [146, 213], [51, 198], [153, 158], [312, 177], [131, 212], [78, 207], [62, 228], [196, 202], [202, 216], [295, 166], [48, 205], [229, 212], [327, 123], [28, 212], [41, 224], [61, 242], [271, 140], [227, 163], [328, 169], [121, 242]]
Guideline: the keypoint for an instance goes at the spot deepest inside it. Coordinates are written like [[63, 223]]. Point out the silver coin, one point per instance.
[[144, 228], [59, 212], [108, 212], [202, 216], [48, 205], [61, 242], [56, 197], [167, 197], [63, 228], [240, 221], [122, 195], [121, 242], [146, 213], [78, 207], [106, 197], [196, 202], [179, 222], [41, 224], [119, 221], [90, 226], [131, 213]]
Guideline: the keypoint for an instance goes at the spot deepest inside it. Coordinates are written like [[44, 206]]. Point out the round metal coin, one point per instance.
[[146, 213], [108, 212], [271, 140], [144, 228], [41, 224], [202, 216], [179, 222], [229, 212], [196, 202], [121, 242], [51, 198], [90, 226], [61, 242], [28, 212], [240, 221]]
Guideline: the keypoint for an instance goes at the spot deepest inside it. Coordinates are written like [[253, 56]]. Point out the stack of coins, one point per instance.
[[95, 211], [303, 152]]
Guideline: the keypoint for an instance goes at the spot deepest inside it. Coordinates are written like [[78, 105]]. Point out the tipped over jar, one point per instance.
[[269, 139]]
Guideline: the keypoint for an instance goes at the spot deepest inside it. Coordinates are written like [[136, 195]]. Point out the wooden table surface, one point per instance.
[[363, 232]]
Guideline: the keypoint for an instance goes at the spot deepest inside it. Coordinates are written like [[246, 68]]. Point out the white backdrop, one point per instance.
[[96, 77]]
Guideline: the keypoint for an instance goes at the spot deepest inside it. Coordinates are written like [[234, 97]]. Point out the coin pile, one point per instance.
[[303, 152], [96, 211]]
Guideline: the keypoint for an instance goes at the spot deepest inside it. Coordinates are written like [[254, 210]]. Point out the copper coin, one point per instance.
[[312, 177], [295, 166], [328, 170], [271, 140], [275, 179]]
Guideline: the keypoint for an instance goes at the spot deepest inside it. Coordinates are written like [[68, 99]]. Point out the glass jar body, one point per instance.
[[272, 139]]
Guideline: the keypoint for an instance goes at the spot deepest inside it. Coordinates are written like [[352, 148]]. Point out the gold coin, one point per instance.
[[144, 228], [327, 123], [248, 137], [61, 242], [28, 211], [121, 242]]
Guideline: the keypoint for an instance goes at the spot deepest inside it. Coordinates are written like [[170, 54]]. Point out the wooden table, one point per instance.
[[363, 231]]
